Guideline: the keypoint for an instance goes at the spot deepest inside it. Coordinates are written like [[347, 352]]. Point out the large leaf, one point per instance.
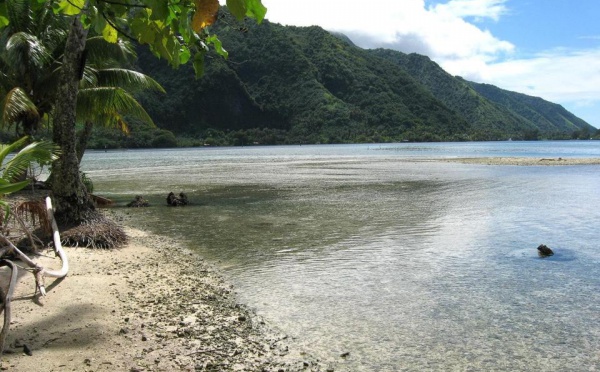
[[69, 7], [7, 149], [250, 8], [205, 15], [7, 188], [214, 40], [256, 10], [160, 9], [37, 152], [110, 34], [198, 63]]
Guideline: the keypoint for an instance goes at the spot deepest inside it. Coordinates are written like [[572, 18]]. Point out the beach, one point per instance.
[[148, 306]]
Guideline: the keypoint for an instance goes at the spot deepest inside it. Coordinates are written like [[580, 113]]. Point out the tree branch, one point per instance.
[[119, 30], [123, 4], [6, 300]]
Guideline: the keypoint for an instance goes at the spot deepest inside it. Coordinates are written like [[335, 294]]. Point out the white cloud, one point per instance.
[[439, 31], [558, 75], [477, 9]]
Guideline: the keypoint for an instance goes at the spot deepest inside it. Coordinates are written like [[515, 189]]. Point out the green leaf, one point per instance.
[[7, 188], [37, 152], [99, 25], [199, 63], [184, 55], [160, 9], [250, 8], [91, 16], [3, 16], [214, 40], [110, 34], [256, 10], [144, 31], [237, 8], [70, 7]]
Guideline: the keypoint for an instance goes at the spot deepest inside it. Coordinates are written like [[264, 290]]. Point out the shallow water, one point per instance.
[[408, 265]]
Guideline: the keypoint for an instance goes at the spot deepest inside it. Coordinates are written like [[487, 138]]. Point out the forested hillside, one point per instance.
[[285, 84]]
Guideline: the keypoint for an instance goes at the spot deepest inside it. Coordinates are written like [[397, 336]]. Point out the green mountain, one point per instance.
[[546, 116], [285, 84]]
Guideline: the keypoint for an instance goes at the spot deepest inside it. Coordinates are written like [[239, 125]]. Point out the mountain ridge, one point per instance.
[[288, 84]]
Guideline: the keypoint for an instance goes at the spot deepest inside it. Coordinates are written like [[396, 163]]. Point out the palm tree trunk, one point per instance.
[[73, 204], [82, 140]]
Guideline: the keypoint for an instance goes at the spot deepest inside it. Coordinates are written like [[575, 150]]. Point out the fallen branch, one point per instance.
[[39, 271], [6, 300], [58, 249]]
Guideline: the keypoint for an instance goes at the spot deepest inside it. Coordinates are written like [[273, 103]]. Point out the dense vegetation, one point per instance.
[[305, 85]]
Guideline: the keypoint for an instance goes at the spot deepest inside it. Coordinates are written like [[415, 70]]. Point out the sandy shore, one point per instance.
[[525, 161], [149, 306]]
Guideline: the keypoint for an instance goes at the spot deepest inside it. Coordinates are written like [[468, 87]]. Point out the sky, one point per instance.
[[543, 48]]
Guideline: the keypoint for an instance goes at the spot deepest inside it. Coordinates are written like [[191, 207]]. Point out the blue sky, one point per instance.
[[544, 48]]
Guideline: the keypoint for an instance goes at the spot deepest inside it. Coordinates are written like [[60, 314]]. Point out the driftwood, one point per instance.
[[39, 272], [6, 299]]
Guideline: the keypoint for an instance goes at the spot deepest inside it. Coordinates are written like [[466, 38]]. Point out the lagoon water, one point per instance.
[[407, 264]]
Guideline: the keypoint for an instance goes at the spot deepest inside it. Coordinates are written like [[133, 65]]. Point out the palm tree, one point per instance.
[[31, 49], [30, 93], [105, 92]]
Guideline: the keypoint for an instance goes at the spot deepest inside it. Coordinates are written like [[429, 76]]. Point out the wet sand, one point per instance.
[[525, 161]]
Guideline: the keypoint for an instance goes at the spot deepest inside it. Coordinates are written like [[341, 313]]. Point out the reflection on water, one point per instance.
[[406, 265]]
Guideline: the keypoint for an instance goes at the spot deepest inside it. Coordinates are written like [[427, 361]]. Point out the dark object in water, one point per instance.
[[138, 202], [100, 201], [544, 251], [176, 201]]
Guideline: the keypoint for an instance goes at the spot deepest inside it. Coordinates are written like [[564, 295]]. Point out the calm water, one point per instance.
[[408, 265]]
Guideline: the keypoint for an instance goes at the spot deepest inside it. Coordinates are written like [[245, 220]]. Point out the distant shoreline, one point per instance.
[[524, 161]]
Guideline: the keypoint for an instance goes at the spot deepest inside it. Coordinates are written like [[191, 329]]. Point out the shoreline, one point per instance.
[[151, 305], [522, 161]]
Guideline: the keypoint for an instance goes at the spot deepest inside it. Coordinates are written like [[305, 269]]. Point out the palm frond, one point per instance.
[[10, 187], [98, 104], [42, 152], [26, 53], [51, 30], [12, 147], [90, 78], [129, 80], [19, 14], [104, 54], [15, 105]]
